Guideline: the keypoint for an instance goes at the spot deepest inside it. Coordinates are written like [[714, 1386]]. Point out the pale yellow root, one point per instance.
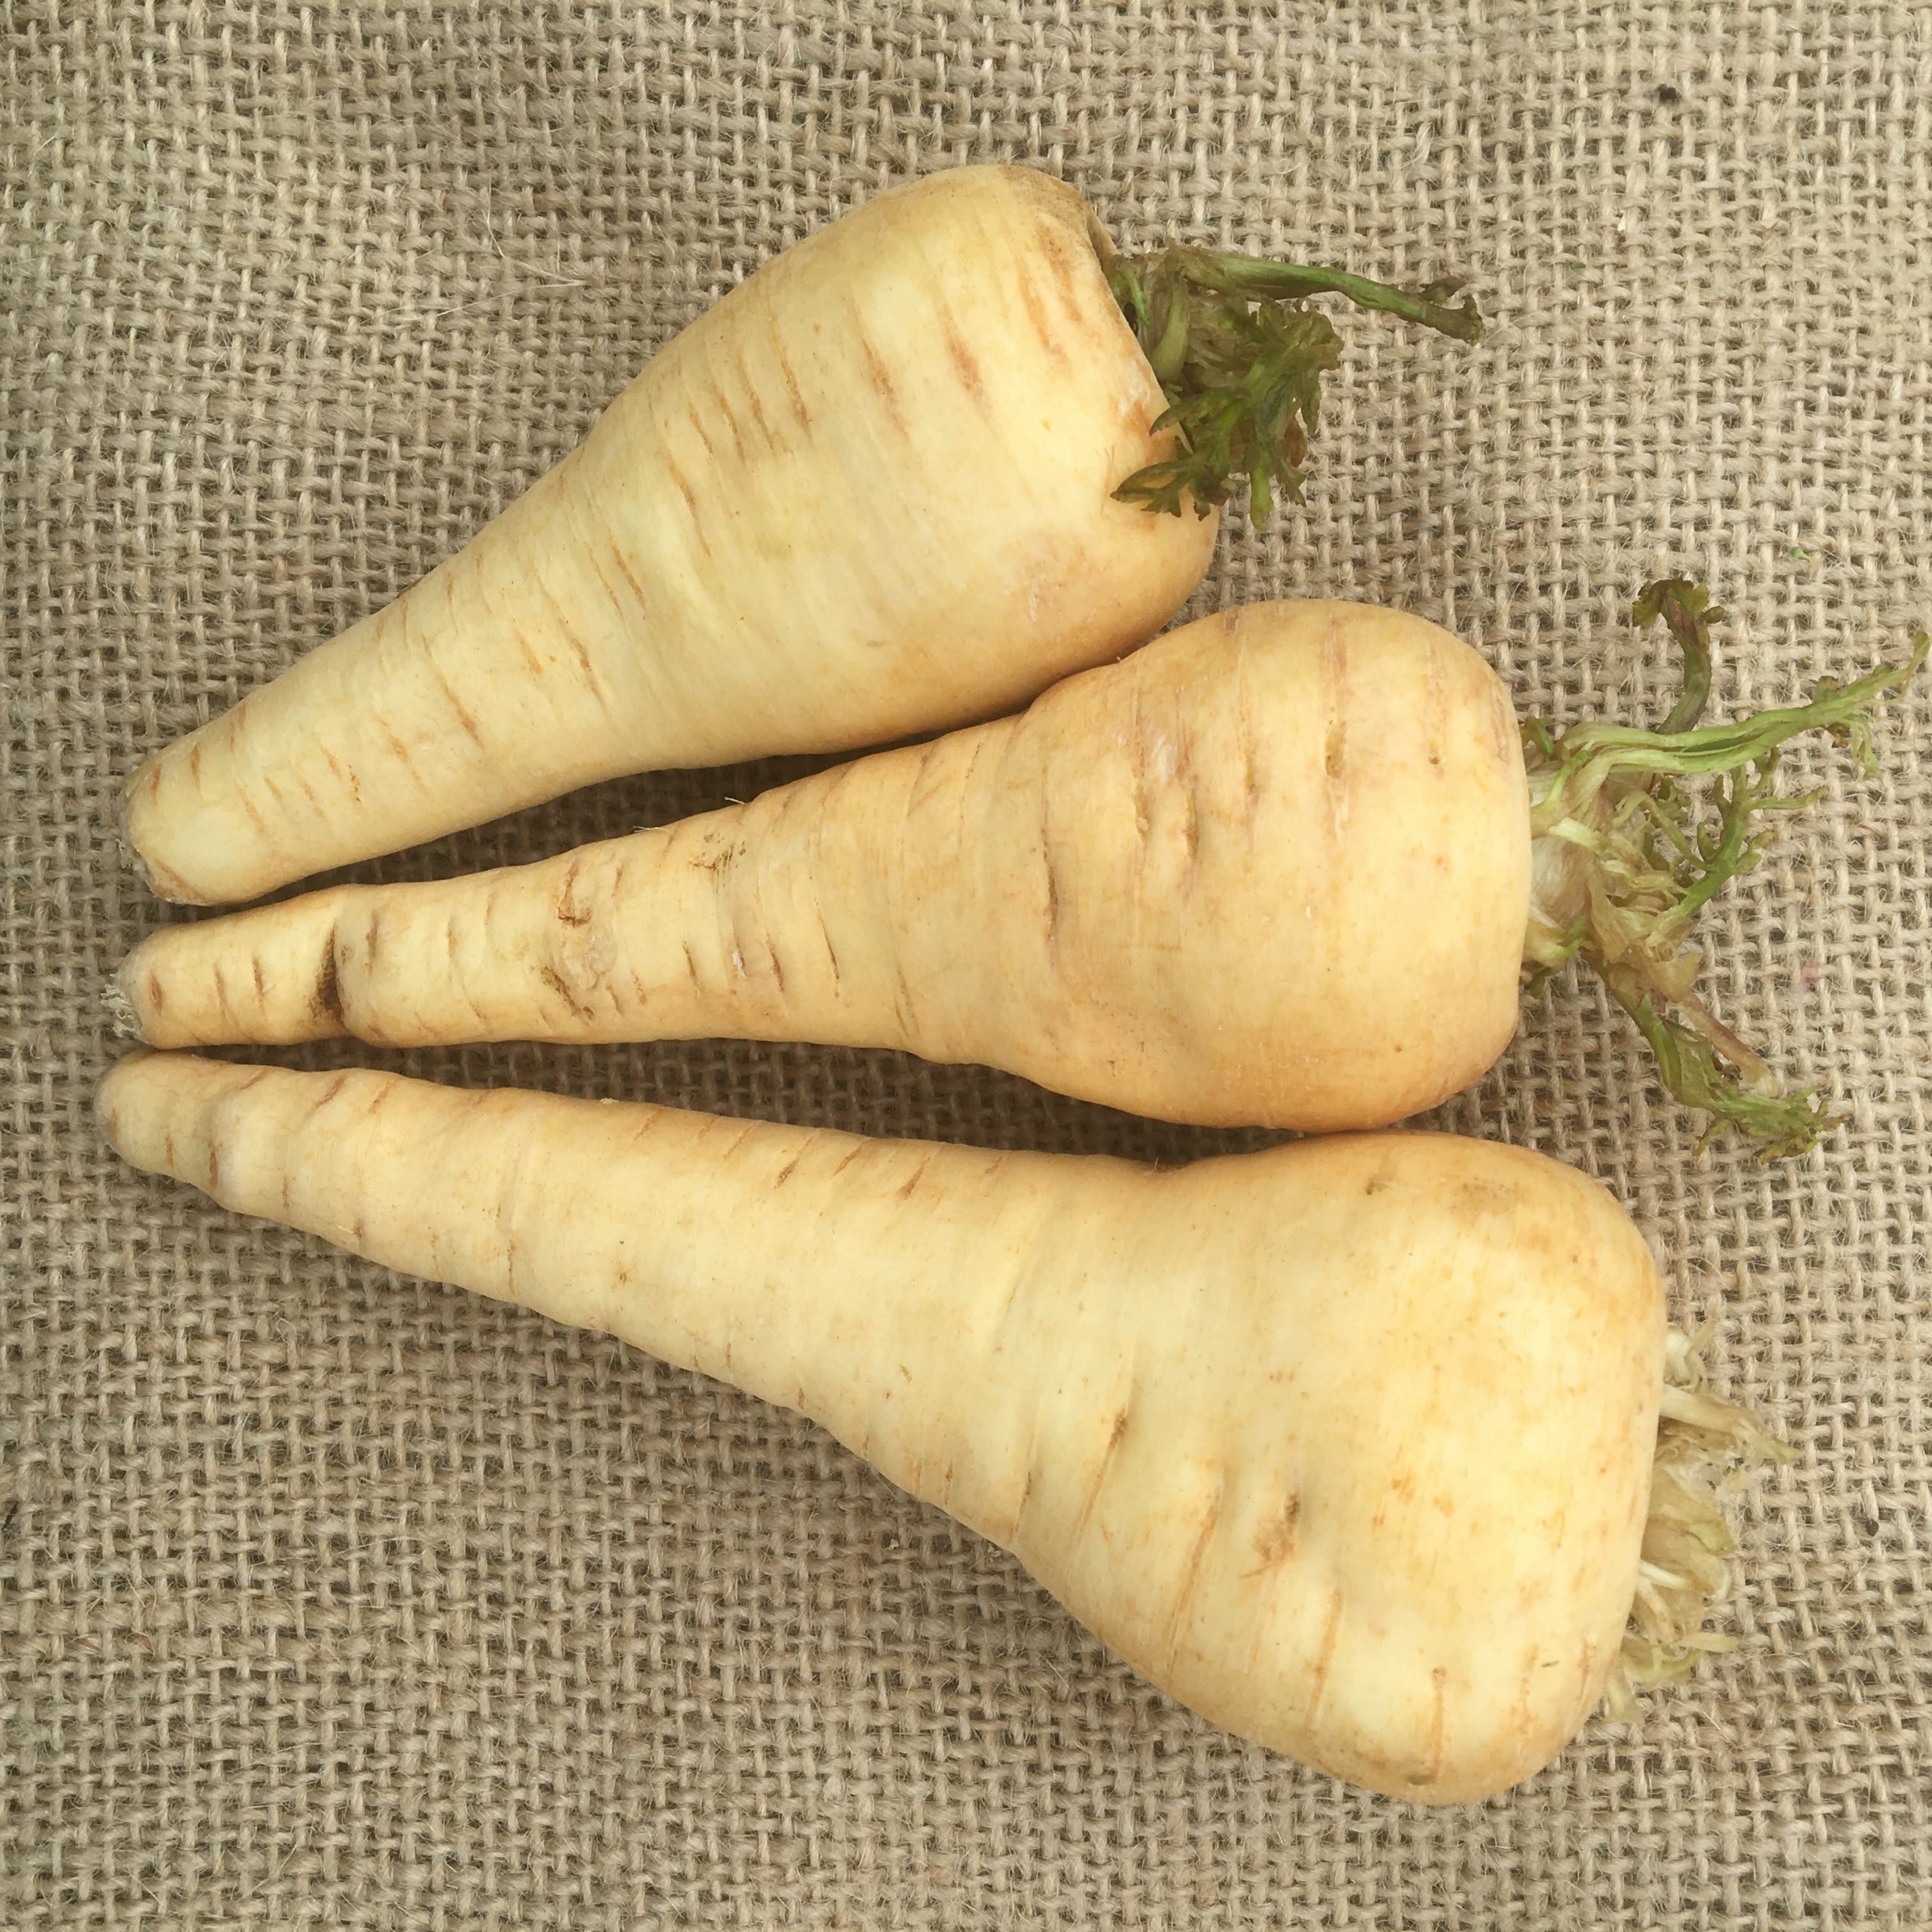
[[1347, 1443], [1272, 869], [868, 494]]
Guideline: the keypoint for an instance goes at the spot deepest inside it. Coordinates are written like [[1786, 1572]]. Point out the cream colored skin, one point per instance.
[[868, 494], [1273, 869], [1346, 1444]]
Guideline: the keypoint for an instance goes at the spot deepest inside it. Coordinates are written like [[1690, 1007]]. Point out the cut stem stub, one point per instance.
[[1627, 857]]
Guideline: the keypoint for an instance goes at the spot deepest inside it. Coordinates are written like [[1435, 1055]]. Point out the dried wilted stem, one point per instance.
[[1685, 1576]]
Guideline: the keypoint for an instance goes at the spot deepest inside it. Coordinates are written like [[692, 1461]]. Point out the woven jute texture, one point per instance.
[[326, 1597]]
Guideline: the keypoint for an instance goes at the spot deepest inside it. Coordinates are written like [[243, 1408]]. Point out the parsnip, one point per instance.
[[871, 493], [1347, 1445], [1275, 869]]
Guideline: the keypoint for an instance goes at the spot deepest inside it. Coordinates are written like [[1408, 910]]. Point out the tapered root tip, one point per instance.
[[139, 780], [116, 1085], [138, 795], [121, 1009], [135, 997], [158, 879]]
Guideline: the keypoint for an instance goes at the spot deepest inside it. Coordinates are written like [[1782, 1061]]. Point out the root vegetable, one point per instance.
[[1278, 867], [872, 493], [1347, 1445], [1167, 885]]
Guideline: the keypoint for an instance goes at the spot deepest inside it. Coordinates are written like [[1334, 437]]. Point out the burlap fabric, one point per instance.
[[330, 1598]]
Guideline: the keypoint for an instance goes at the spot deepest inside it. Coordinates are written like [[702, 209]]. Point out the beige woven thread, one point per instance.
[[330, 1598]]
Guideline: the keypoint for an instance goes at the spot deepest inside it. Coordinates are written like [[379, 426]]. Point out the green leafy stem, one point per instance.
[[1627, 857], [1240, 356]]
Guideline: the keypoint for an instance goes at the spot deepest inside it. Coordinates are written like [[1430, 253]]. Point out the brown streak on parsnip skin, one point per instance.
[[1437, 1678], [681, 483], [561, 987], [1436, 710], [325, 1002], [569, 912], [630, 575], [567, 629], [530, 658], [329, 1093], [1118, 1429], [1025, 1498], [397, 747], [343, 774], [315, 805], [1324, 1662], [456, 703], [878, 375], [1190, 1581], [609, 591], [1036, 314], [971, 378], [803, 415], [254, 812], [747, 389], [1276, 1543], [730, 422], [832, 951]]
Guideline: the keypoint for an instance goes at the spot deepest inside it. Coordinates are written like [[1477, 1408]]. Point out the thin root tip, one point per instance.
[[109, 1094], [125, 1018]]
